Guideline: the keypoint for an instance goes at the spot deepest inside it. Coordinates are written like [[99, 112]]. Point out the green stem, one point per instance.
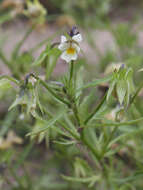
[[4, 60], [7, 122], [74, 107], [53, 93], [71, 73], [116, 124], [95, 110], [10, 78], [137, 92], [91, 148], [76, 136], [50, 90], [108, 141], [75, 111]]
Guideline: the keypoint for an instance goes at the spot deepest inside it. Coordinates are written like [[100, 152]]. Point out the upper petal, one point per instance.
[[63, 39], [77, 38]]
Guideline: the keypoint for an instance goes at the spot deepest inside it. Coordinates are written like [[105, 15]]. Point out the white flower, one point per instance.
[[70, 47]]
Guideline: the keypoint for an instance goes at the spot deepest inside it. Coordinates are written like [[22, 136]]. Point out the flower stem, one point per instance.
[[117, 124], [50, 90], [9, 78], [75, 111], [105, 147], [91, 148], [76, 136], [71, 72], [137, 92], [96, 109], [74, 107], [4, 60]]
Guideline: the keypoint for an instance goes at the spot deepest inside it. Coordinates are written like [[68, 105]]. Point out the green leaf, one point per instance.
[[11, 79], [127, 97], [42, 56], [129, 73], [111, 88], [24, 61], [131, 178], [26, 98], [91, 137], [66, 142], [82, 168], [121, 90], [8, 122], [91, 180], [61, 132], [40, 124], [86, 103], [49, 123], [86, 138], [96, 82], [53, 55], [5, 84], [70, 124], [126, 135]]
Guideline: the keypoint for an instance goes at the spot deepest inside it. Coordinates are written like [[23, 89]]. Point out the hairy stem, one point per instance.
[[136, 93], [49, 89], [4, 60], [10, 78], [71, 73], [95, 110]]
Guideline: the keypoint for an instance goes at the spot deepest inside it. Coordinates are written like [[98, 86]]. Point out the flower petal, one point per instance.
[[68, 57], [63, 46], [63, 39], [75, 46], [77, 38], [74, 56]]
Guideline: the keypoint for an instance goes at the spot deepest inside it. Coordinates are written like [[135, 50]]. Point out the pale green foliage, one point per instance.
[[35, 10], [122, 85], [88, 127]]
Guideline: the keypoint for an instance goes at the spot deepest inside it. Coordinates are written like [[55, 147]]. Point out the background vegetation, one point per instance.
[[42, 150]]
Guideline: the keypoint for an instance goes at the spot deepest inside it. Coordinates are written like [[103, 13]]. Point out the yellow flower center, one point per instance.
[[71, 50]]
